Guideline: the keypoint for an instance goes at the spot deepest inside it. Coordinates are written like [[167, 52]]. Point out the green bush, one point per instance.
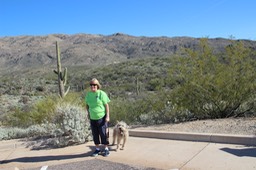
[[41, 112], [215, 85], [68, 123], [148, 108]]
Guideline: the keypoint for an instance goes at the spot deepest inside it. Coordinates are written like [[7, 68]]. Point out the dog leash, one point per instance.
[[107, 131]]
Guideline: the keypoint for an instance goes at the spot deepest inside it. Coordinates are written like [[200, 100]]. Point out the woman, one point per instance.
[[98, 111]]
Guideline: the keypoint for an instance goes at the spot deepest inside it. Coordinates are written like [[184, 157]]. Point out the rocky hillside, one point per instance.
[[30, 52]]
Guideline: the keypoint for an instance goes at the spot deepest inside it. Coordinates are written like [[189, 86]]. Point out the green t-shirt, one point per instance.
[[96, 102]]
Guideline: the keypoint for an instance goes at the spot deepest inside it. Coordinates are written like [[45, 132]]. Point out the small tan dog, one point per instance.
[[120, 132]]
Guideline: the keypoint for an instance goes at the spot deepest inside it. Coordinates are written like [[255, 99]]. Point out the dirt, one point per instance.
[[237, 126]]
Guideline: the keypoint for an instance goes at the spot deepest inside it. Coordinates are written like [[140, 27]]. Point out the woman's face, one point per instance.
[[94, 87]]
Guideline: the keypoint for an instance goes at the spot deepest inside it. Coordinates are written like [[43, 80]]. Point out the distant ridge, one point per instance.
[[17, 53]]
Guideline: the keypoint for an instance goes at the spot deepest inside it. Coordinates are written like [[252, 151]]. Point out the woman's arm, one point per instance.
[[87, 110], [107, 113]]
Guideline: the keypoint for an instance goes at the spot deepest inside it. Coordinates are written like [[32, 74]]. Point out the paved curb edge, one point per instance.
[[200, 137]]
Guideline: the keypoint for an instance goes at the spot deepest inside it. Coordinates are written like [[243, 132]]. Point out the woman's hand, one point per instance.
[[107, 118]]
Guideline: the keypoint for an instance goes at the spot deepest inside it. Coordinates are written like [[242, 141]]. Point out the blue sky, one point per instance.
[[171, 18]]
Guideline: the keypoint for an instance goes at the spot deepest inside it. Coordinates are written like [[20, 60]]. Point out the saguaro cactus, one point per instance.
[[137, 86], [62, 77]]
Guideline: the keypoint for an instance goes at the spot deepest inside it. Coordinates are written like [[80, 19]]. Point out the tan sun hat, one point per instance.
[[95, 81]]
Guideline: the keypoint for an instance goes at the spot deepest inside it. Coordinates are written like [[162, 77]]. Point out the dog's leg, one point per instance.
[[119, 137], [124, 140], [114, 136]]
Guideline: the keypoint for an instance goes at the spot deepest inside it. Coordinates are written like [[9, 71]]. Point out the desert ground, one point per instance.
[[236, 126]]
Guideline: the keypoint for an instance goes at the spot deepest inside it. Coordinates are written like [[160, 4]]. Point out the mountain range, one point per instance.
[[32, 52]]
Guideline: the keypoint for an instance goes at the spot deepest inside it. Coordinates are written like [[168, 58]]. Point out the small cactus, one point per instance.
[[137, 86]]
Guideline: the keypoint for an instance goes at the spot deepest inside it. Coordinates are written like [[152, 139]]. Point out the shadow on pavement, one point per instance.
[[47, 158], [41, 143], [249, 152]]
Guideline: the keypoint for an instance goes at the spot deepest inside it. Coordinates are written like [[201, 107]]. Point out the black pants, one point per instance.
[[99, 131]]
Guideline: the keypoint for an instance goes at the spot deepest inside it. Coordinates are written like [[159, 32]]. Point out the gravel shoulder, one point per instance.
[[235, 126]]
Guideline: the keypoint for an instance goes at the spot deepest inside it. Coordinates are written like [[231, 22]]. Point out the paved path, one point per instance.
[[140, 153]]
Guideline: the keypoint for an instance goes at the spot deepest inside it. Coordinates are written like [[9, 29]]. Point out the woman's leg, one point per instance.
[[95, 132], [104, 137]]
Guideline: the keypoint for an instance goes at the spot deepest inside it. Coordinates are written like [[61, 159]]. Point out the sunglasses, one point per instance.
[[93, 84]]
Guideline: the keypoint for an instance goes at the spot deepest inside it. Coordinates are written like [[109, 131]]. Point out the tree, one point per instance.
[[213, 85]]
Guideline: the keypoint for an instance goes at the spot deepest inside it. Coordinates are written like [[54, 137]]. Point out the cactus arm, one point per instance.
[[67, 91], [64, 76], [56, 72]]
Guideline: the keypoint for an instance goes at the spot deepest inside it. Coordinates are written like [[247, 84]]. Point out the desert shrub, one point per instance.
[[17, 118], [160, 110], [41, 112], [150, 108], [155, 84], [73, 125], [74, 98], [215, 85], [120, 109], [12, 133], [41, 88], [69, 125], [7, 133], [24, 99]]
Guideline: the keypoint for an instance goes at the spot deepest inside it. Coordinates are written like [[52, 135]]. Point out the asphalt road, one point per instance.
[[91, 165], [139, 153]]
